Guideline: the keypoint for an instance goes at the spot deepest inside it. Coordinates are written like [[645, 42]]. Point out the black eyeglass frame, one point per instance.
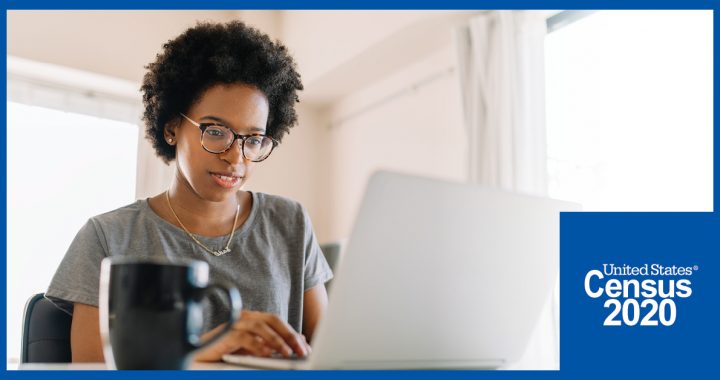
[[236, 136]]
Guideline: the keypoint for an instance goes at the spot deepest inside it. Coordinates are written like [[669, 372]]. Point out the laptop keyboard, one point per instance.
[[293, 357]]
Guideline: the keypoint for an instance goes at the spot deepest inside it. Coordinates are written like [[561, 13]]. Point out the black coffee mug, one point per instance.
[[151, 314]]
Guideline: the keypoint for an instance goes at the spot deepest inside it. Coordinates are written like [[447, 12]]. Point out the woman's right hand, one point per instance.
[[258, 334]]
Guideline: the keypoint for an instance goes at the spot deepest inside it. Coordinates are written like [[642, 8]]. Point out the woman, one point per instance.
[[217, 100]]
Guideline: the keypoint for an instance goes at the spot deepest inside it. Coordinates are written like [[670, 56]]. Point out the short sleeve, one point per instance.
[[317, 270], [77, 279]]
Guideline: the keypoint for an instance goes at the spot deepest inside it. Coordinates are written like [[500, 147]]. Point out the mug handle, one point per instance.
[[235, 305]]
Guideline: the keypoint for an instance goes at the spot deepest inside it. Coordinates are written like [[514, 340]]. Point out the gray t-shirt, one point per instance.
[[275, 256]]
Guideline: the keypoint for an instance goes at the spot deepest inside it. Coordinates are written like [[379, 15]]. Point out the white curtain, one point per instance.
[[153, 176], [501, 72]]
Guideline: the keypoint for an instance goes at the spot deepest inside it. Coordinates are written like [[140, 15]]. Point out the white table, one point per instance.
[[101, 366]]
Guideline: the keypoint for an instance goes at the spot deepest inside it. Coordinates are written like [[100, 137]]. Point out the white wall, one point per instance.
[[339, 53], [322, 40], [115, 43], [297, 169], [396, 127], [361, 67]]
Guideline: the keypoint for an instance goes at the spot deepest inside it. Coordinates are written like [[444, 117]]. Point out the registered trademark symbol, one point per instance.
[[695, 267]]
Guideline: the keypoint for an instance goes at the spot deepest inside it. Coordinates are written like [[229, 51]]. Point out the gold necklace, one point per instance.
[[216, 253]]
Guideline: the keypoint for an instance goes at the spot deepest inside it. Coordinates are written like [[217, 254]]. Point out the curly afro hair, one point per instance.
[[210, 54]]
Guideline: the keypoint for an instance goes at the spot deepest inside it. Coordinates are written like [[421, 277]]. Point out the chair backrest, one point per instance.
[[46, 332], [331, 251]]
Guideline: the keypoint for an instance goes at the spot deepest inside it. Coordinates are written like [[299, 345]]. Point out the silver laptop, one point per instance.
[[436, 275]]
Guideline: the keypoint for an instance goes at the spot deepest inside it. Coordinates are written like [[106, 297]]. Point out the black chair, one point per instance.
[[46, 332]]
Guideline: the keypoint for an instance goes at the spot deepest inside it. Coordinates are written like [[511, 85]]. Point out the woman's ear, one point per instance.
[[169, 132]]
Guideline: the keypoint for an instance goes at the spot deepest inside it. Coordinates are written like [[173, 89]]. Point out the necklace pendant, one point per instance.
[[221, 252]]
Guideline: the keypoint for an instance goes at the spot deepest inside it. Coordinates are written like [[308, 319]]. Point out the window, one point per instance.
[[629, 111], [61, 168]]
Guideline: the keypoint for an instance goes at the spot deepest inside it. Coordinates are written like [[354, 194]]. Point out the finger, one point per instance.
[[271, 338], [256, 346], [227, 343], [287, 333], [307, 345]]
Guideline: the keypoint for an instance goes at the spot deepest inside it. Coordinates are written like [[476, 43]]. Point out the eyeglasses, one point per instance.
[[217, 138]]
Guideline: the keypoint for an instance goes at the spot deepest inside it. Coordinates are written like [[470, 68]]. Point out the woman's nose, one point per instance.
[[234, 154]]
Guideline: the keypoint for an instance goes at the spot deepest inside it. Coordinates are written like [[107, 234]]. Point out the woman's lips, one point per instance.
[[226, 181]]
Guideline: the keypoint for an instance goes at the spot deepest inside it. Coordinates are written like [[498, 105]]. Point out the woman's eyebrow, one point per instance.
[[215, 118], [225, 123]]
